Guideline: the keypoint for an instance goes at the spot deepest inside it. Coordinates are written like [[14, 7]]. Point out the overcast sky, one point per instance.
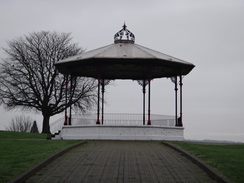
[[207, 33]]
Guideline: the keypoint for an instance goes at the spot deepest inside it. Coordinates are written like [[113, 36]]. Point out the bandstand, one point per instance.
[[126, 60]]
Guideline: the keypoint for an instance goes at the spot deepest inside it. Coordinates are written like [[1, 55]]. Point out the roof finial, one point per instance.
[[124, 26], [124, 35]]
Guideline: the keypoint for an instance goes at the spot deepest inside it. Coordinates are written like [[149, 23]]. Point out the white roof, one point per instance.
[[124, 60], [122, 51]]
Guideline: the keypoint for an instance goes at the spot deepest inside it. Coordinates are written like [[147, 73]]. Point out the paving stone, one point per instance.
[[121, 162]]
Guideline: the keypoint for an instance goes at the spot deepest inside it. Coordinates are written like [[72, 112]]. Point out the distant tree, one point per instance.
[[29, 79], [20, 124], [34, 128]]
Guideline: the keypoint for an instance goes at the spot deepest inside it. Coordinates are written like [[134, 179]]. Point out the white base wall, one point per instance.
[[104, 132]]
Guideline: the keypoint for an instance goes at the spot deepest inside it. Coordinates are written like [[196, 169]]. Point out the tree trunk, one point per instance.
[[45, 124]]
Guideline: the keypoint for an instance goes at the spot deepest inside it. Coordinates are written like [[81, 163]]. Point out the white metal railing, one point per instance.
[[123, 119], [115, 119]]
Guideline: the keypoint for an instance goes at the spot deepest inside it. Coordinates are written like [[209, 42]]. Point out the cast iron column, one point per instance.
[[149, 98], [176, 103], [98, 101], [66, 90], [71, 90], [144, 91], [103, 90], [181, 84]]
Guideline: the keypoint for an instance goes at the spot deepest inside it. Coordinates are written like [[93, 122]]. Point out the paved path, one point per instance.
[[122, 162]]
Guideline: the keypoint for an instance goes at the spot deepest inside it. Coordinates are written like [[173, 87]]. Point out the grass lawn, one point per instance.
[[227, 158], [20, 151]]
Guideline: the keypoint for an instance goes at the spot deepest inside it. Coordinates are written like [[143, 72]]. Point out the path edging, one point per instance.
[[213, 173], [29, 172]]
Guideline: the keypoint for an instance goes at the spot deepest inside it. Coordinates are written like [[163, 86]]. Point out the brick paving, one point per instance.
[[121, 162]]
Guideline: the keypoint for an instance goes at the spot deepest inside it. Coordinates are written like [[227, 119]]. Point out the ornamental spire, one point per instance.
[[124, 36]]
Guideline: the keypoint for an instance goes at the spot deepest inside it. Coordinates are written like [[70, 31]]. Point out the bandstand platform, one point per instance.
[[119, 127]]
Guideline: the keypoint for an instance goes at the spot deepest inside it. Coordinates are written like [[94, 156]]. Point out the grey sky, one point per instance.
[[208, 33]]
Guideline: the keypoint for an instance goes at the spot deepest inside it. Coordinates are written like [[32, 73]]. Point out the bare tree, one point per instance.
[[29, 79], [20, 124]]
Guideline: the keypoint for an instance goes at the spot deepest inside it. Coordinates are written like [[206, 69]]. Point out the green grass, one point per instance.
[[20, 151], [21, 135], [227, 158]]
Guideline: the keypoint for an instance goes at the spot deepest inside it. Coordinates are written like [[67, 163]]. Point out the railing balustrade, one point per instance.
[[115, 119]]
